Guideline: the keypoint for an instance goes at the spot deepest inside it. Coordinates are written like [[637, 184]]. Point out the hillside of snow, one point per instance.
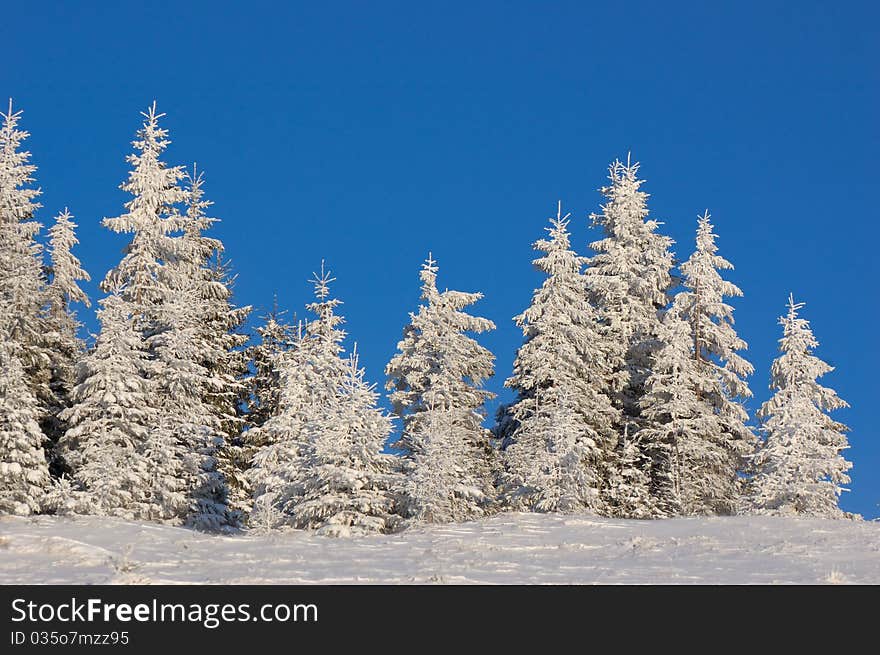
[[512, 548]]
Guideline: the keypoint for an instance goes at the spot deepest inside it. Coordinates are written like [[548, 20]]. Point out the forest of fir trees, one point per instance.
[[629, 387]]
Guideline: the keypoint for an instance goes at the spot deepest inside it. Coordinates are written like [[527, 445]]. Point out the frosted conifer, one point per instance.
[[436, 379], [24, 473], [562, 446], [21, 268], [799, 468], [113, 411], [629, 278], [64, 345], [695, 423], [310, 376], [349, 483]]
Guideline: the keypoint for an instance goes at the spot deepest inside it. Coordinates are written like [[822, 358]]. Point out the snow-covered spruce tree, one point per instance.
[[150, 217], [436, 379], [629, 278], [799, 468], [275, 338], [311, 374], [263, 402], [349, 483], [561, 447], [629, 484], [695, 423], [24, 474], [194, 344], [208, 345], [177, 452], [64, 345], [21, 269], [114, 408]]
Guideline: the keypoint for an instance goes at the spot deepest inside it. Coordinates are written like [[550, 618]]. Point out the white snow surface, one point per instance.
[[505, 549]]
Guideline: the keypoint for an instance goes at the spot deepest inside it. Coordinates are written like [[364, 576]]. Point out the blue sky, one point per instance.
[[370, 133]]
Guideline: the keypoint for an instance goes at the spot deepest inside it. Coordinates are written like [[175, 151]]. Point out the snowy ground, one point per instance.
[[513, 548]]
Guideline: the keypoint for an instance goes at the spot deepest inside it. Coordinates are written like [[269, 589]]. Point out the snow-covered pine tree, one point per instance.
[[114, 409], [561, 447], [349, 484], [208, 346], [192, 346], [22, 283], [695, 421], [263, 401], [436, 379], [275, 338], [799, 468], [150, 217], [629, 485], [24, 473], [629, 278], [310, 375], [65, 346]]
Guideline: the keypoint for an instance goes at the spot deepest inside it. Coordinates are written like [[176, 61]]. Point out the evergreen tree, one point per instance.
[[629, 279], [65, 346], [193, 343], [114, 408], [629, 488], [799, 468], [21, 269], [310, 376], [24, 474], [562, 445], [436, 379], [263, 401], [151, 216], [695, 421], [348, 485], [275, 338]]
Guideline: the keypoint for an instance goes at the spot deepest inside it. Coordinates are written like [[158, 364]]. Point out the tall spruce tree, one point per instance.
[[561, 449], [799, 468], [150, 217], [436, 379], [158, 298], [22, 282], [64, 345], [695, 421], [629, 279]]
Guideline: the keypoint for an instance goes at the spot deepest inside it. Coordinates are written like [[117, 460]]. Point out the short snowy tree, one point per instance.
[[114, 408], [562, 442], [24, 473], [629, 486], [275, 338], [799, 468], [64, 345], [310, 375], [349, 483], [695, 423], [436, 379]]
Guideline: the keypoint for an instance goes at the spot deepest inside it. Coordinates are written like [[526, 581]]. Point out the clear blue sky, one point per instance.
[[369, 133]]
